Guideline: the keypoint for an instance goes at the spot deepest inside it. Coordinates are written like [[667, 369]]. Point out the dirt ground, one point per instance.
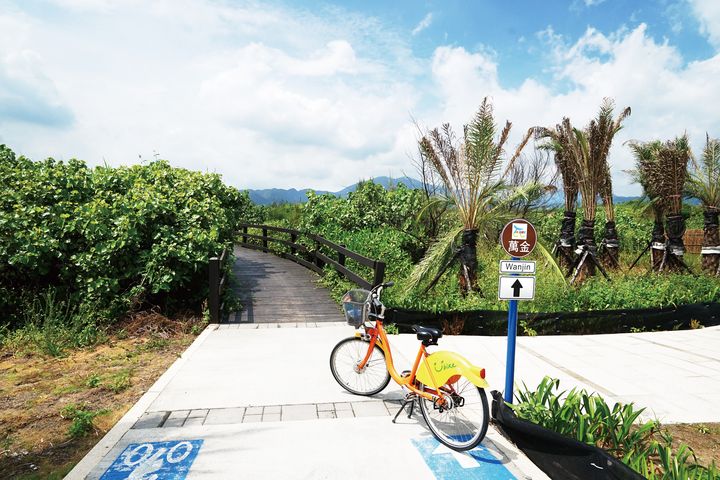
[[54, 409], [703, 438]]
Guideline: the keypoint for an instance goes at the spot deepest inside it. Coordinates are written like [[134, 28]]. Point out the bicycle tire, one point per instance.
[[452, 431], [344, 358]]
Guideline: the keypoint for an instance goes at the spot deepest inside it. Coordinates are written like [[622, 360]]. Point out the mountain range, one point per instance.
[[268, 196]]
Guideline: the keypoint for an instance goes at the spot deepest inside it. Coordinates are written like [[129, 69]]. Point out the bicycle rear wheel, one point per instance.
[[460, 422], [344, 360]]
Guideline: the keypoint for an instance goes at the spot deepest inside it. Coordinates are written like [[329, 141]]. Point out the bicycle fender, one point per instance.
[[440, 367]]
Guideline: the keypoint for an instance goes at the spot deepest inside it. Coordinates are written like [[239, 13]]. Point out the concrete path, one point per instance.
[[256, 399], [263, 401]]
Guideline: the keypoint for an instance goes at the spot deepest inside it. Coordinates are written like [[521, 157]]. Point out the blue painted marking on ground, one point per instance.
[[154, 460], [446, 464]]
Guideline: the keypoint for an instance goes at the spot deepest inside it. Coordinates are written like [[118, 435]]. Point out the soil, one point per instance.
[[703, 438], [38, 393]]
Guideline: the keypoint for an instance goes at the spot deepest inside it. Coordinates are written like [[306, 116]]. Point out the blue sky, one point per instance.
[[319, 94]]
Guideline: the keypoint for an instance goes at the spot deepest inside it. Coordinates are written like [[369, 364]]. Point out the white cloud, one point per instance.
[[707, 13], [423, 24], [288, 98], [666, 97], [592, 3]]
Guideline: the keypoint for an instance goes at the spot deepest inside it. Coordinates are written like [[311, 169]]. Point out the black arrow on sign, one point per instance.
[[516, 288]]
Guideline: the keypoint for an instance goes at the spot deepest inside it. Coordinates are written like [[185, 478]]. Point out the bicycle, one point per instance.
[[449, 389]]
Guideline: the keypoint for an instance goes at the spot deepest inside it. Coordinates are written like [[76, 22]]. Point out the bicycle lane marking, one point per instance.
[[154, 461], [447, 464]]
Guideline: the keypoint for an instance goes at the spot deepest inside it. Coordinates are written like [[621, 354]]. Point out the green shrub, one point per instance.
[[109, 240], [82, 419], [588, 418]]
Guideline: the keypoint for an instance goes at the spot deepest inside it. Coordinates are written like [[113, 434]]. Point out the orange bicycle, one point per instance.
[[449, 389]]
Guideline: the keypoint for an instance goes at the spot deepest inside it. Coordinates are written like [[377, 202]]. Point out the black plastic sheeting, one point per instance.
[[494, 322], [560, 457]]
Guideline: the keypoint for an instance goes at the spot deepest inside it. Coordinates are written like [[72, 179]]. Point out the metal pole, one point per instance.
[[512, 336]]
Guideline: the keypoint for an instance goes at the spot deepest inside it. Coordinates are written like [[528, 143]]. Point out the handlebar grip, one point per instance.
[[388, 284]]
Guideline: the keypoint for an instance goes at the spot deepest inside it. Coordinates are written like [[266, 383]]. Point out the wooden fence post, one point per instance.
[[318, 262], [264, 240], [244, 229], [341, 257], [293, 239], [379, 273], [214, 293]]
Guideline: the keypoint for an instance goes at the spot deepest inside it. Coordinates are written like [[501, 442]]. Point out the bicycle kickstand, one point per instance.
[[409, 399]]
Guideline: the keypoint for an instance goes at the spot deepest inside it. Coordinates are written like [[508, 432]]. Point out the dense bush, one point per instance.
[[110, 238], [385, 225]]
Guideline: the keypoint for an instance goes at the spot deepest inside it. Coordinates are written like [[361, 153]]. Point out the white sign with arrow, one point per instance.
[[516, 288]]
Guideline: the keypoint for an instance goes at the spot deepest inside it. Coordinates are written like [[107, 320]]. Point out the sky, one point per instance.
[[316, 94]]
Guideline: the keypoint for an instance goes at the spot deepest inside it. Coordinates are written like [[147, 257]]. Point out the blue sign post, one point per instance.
[[510, 360], [518, 239]]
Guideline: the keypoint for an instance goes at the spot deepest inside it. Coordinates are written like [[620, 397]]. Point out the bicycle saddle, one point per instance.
[[427, 335]]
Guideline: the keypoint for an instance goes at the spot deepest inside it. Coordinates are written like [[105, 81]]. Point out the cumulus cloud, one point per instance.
[[707, 13], [270, 96], [666, 96], [423, 24]]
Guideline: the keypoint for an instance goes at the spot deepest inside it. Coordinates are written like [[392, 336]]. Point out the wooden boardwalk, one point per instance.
[[273, 289]]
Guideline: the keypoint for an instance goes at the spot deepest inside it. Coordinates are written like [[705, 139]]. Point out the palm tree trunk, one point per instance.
[[711, 242], [675, 245], [567, 243], [610, 258], [657, 250], [586, 241], [468, 261]]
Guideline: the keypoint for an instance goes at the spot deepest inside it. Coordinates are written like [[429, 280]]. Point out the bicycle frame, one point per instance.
[[379, 337]]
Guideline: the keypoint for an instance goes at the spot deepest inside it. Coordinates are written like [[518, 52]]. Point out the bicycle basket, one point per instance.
[[356, 307]]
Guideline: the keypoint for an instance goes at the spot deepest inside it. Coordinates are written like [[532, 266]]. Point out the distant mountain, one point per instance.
[[291, 195], [269, 196]]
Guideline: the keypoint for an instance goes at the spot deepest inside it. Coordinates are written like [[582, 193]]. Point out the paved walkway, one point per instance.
[[257, 400]]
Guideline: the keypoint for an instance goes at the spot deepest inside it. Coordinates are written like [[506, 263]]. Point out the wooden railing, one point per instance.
[[310, 257], [217, 280]]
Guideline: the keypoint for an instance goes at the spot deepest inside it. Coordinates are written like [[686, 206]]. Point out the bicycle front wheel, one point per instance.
[[460, 420], [344, 361]]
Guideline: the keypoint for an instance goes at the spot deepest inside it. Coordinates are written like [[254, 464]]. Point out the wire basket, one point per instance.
[[356, 306]]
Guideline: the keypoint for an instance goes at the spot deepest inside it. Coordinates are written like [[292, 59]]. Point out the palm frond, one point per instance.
[[703, 181], [436, 257]]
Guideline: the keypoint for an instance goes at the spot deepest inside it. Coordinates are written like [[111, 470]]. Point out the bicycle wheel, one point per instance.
[[462, 422], [344, 359]]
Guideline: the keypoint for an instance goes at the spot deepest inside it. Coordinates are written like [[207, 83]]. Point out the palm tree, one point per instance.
[[601, 132], [560, 140], [471, 172], [703, 183], [646, 173]]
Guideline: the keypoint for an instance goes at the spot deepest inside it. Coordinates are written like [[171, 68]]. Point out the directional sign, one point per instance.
[[517, 266], [518, 238], [516, 288]]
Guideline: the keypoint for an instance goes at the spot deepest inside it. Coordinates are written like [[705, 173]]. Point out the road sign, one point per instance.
[[517, 266], [518, 238], [516, 288]]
